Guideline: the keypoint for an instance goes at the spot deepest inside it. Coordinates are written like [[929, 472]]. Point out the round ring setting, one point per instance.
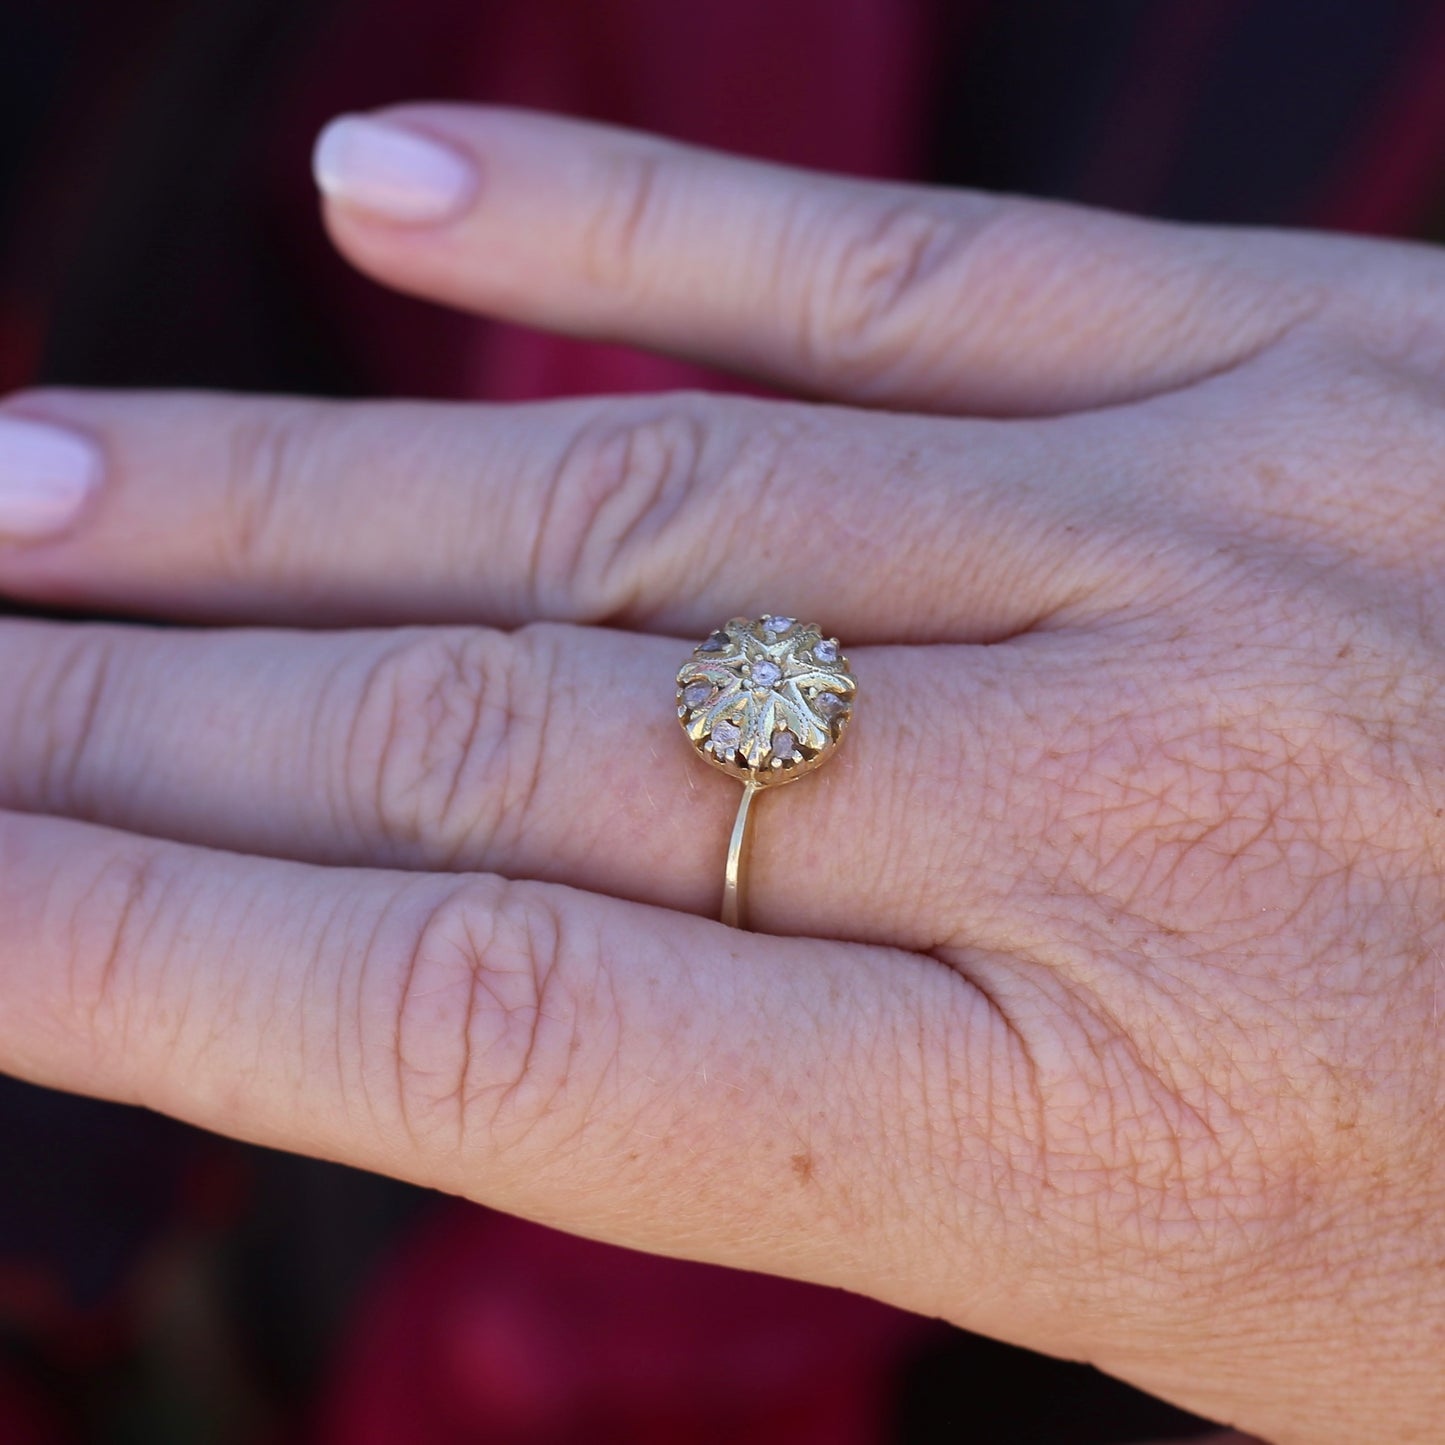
[[765, 701]]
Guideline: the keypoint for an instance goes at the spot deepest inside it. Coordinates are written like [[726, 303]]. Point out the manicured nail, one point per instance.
[[46, 474], [394, 173]]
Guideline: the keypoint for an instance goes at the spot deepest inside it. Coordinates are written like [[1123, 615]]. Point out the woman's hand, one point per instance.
[[1106, 1002]]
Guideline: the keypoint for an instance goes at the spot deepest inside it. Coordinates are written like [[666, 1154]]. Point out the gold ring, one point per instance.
[[767, 702]]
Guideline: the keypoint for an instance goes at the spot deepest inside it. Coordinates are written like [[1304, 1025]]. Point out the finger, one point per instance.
[[612, 1069], [551, 753], [671, 513], [897, 295]]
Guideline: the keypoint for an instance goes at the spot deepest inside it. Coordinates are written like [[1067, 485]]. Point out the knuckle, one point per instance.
[[1138, 1158], [632, 187], [446, 748], [871, 295], [1309, 418], [110, 934], [485, 1025], [1089, 1133], [272, 451], [68, 706], [619, 487]]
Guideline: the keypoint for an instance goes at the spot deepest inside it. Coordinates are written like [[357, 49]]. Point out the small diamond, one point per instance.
[[766, 674], [828, 705], [826, 651], [725, 735], [697, 693], [777, 625], [715, 643], [785, 746]]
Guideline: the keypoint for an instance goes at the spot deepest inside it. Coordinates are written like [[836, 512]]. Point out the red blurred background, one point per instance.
[[158, 228]]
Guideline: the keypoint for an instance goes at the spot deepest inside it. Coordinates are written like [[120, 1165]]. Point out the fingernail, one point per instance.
[[394, 173], [46, 475]]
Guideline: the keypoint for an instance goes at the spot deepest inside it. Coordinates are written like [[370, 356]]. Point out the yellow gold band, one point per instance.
[[765, 701]]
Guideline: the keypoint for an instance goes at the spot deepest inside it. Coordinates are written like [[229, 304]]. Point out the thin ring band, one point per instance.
[[766, 702], [735, 876]]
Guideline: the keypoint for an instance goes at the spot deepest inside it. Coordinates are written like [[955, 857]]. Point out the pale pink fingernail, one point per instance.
[[393, 172], [46, 475]]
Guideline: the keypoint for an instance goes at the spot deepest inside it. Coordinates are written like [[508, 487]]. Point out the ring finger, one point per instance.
[[547, 753]]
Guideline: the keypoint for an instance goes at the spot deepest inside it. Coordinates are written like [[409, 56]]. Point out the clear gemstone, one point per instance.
[[697, 693], [715, 643], [725, 735], [826, 652], [829, 705], [785, 746], [776, 625], [766, 673]]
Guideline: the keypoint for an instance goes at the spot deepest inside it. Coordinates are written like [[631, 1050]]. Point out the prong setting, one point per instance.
[[766, 700]]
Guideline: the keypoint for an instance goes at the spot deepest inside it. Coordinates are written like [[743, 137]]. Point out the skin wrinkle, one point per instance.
[[1126, 1035], [861, 285], [1010, 241], [758, 460], [1134, 1150], [414, 698], [454, 681], [1309, 307], [377, 940], [1176, 1107], [536, 644], [1270, 817], [661, 476], [612, 466], [137, 884], [92, 663], [631, 189], [1170, 880], [539, 579], [332, 763], [465, 1095], [465, 943], [959, 962], [267, 452], [391, 728], [1027, 1099], [543, 953]]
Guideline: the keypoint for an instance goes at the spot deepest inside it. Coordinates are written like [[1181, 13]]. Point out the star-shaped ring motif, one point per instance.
[[766, 702]]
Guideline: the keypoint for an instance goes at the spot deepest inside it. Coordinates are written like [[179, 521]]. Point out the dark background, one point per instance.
[[157, 228]]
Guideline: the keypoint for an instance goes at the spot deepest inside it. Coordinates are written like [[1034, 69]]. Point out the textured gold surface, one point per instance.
[[766, 713], [766, 701]]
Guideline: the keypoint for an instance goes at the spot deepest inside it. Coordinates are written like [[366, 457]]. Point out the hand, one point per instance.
[[1098, 1004]]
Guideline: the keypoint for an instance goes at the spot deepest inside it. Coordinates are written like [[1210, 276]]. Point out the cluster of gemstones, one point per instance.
[[767, 700]]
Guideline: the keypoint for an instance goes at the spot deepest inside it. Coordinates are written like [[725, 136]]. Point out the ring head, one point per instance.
[[767, 700]]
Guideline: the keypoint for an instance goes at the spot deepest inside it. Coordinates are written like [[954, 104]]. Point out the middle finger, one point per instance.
[[661, 513]]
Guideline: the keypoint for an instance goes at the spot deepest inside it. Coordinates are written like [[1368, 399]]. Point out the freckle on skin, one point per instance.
[[803, 1167]]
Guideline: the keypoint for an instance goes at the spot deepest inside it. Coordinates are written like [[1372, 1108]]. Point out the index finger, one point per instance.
[[905, 296]]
